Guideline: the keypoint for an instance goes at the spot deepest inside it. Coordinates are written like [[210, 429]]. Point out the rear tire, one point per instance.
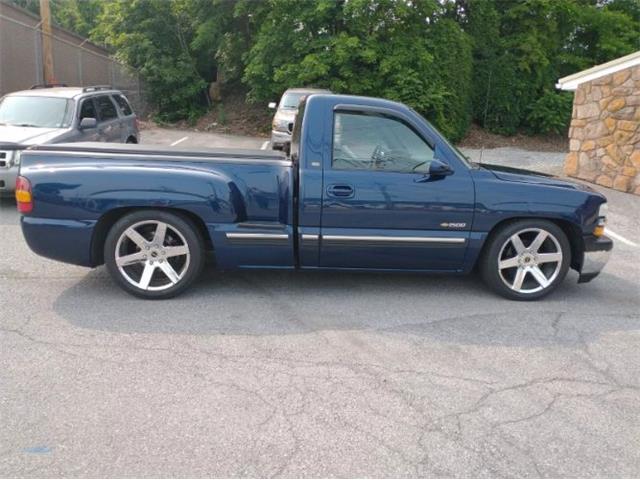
[[154, 254], [526, 259]]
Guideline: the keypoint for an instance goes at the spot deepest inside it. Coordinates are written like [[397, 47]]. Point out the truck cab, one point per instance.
[[391, 195]]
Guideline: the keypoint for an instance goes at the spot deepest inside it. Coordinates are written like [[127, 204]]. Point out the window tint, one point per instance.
[[106, 108], [374, 142], [124, 105], [88, 110]]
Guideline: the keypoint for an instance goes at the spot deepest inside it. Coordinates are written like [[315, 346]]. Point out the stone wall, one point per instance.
[[604, 137]]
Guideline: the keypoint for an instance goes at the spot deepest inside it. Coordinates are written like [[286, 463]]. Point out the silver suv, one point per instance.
[[282, 124], [56, 114]]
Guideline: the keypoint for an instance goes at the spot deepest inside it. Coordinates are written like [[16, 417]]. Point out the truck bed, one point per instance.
[[159, 152], [242, 199]]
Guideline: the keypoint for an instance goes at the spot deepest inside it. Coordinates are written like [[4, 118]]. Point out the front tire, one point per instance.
[[154, 254], [526, 259]]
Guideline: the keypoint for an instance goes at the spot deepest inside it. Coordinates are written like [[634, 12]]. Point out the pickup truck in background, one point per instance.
[[285, 116], [368, 185]]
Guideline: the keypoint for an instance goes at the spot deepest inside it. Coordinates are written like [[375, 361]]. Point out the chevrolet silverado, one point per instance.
[[367, 185]]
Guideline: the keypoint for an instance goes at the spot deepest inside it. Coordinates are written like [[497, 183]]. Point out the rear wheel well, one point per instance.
[[107, 221], [573, 233]]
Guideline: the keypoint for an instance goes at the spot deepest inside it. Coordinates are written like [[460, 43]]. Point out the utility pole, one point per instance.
[[47, 40]]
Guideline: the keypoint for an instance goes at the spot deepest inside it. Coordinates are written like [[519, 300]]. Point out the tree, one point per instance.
[[387, 48], [521, 48], [155, 37], [493, 61]]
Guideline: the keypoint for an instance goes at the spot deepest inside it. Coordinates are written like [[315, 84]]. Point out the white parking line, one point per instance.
[[620, 238], [178, 141], [264, 145]]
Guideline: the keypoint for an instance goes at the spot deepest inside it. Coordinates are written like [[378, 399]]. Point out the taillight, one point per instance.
[[24, 198]]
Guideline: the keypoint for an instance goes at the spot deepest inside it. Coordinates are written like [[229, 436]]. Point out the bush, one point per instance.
[[551, 113]]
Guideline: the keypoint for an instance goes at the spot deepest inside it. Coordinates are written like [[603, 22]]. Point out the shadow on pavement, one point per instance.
[[447, 309]]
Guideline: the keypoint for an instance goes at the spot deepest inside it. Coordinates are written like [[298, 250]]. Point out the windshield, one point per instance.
[[42, 112], [463, 158], [291, 100]]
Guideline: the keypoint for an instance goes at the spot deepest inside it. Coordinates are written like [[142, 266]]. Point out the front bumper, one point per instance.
[[8, 179], [596, 255], [280, 138]]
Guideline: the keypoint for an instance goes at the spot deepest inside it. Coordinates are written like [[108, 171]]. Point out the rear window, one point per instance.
[[106, 108], [124, 105], [35, 111]]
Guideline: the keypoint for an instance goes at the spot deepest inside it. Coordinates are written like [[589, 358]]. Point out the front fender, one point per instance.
[[499, 201]]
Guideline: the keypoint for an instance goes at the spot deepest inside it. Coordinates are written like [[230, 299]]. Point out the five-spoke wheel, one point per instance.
[[526, 260], [153, 254]]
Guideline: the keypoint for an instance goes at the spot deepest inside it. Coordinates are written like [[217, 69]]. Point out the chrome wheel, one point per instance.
[[152, 255], [530, 260]]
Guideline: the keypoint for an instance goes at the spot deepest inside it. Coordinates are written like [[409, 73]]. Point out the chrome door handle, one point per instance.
[[340, 190]]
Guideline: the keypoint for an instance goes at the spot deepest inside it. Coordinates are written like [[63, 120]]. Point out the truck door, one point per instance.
[[380, 208]]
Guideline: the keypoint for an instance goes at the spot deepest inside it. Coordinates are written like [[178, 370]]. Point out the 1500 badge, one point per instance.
[[453, 225]]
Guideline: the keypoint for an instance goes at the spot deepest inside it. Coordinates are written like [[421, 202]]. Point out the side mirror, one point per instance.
[[438, 168], [272, 105], [88, 123]]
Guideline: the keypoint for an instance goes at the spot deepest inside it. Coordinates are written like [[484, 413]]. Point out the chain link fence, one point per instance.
[[77, 62]]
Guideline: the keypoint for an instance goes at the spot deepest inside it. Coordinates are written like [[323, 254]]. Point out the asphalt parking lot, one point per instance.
[[305, 374]]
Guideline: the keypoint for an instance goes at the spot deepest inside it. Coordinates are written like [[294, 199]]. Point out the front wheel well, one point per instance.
[[573, 233], [107, 221]]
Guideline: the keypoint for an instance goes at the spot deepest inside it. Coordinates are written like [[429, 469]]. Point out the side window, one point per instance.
[[106, 108], [124, 105], [376, 142], [88, 109]]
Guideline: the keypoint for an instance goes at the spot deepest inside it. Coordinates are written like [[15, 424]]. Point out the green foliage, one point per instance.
[[521, 48], [393, 49], [550, 113], [451, 49], [454, 61], [154, 36], [79, 16]]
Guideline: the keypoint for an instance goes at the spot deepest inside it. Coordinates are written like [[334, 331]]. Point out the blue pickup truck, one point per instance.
[[368, 184]]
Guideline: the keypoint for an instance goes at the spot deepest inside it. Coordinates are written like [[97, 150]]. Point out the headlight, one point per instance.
[[602, 220]]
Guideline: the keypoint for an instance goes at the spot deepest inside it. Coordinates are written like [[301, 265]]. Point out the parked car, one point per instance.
[[287, 109], [54, 114], [368, 185]]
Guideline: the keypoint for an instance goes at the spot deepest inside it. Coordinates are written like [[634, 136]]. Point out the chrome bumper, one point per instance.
[[596, 255]]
